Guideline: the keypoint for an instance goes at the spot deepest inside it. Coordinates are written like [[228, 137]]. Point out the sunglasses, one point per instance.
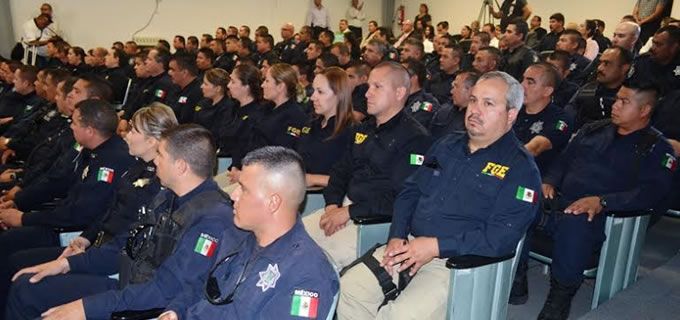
[[212, 288]]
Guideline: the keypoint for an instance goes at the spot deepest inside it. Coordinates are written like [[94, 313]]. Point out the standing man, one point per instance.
[[475, 194], [648, 14], [518, 56], [509, 10], [318, 18], [556, 28], [356, 17], [536, 33]]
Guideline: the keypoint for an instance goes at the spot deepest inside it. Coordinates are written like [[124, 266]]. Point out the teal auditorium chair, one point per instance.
[[313, 201], [615, 266], [479, 286], [223, 164]]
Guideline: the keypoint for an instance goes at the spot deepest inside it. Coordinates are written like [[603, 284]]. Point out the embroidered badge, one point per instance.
[[495, 170], [305, 304], [295, 132], [105, 175], [561, 126], [526, 195], [359, 138], [182, 99], [306, 130], [269, 277], [206, 245], [416, 159], [85, 171], [141, 182], [159, 93], [670, 162], [536, 127], [197, 108]]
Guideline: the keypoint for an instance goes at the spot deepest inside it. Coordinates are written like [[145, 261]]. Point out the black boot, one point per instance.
[[558, 303], [520, 286]]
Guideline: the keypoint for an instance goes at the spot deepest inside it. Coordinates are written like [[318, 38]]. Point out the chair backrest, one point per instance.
[[620, 256], [368, 235], [482, 292]]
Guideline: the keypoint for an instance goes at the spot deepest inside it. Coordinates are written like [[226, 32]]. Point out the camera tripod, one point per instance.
[[485, 15]]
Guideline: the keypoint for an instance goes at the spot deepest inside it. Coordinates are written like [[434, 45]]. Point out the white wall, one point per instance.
[[90, 23], [462, 12]]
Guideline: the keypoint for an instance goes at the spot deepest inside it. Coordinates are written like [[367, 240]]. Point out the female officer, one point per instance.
[[216, 109], [326, 137]]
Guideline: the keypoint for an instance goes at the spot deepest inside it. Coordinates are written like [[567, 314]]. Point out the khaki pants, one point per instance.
[[341, 246], [424, 298]]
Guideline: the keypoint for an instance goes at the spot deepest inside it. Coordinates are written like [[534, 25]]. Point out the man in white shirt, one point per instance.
[[36, 32], [318, 18], [356, 17], [406, 31]]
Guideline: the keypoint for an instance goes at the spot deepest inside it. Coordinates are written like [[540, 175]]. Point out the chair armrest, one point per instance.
[[472, 261], [372, 220], [629, 214], [315, 190], [137, 314]]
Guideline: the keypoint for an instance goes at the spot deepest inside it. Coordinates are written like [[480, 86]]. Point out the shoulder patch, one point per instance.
[[416, 159], [670, 162], [182, 99], [526, 195], [305, 304], [495, 170], [561, 126], [159, 93], [105, 174], [206, 245]]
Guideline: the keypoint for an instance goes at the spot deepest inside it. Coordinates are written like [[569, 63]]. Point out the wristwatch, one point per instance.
[[603, 201]]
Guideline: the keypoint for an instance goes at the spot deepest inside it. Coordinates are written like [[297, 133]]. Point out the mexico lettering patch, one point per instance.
[[305, 304], [526, 195], [105, 175], [205, 245], [495, 170]]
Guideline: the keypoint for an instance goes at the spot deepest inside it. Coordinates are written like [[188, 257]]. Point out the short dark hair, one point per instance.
[[560, 56], [539, 18], [99, 115], [280, 159], [640, 86], [246, 43], [624, 56], [551, 77], [162, 43], [268, 39], [557, 16], [163, 57], [181, 39], [443, 24], [329, 60], [416, 68], [186, 62], [673, 33], [208, 53], [521, 25], [415, 43], [28, 73], [97, 87], [193, 40], [123, 59], [208, 37], [193, 144], [471, 79]]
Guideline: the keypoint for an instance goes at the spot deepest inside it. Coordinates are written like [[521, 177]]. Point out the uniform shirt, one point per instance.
[[372, 171], [515, 62], [279, 126], [236, 138], [185, 270], [477, 203], [318, 150], [42, 126], [138, 186], [665, 77], [226, 61], [17, 105], [601, 162], [549, 41], [46, 153], [290, 278], [551, 123], [262, 56], [286, 50], [214, 117], [421, 106], [118, 78], [185, 101], [591, 103], [667, 115], [359, 101], [439, 85], [564, 93], [159, 88], [100, 172], [449, 119], [578, 69]]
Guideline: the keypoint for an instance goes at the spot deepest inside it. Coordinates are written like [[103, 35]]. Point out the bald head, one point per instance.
[[626, 35]]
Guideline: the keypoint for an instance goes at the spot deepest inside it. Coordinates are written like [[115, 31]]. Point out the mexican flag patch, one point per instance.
[[305, 304], [105, 174], [159, 93], [205, 245], [526, 195], [426, 106], [561, 126], [416, 159], [182, 99], [77, 147], [670, 162]]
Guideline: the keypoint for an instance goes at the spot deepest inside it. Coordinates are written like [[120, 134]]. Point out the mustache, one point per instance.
[[475, 118]]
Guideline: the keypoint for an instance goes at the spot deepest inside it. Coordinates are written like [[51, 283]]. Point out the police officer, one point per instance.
[[216, 110], [666, 117], [566, 89], [358, 80], [265, 45], [277, 272], [550, 40], [570, 41], [23, 98], [662, 64], [138, 186], [116, 74], [225, 52], [594, 100], [420, 105], [451, 117], [205, 59], [286, 49], [385, 150], [542, 126], [487, 59], [169, 252], [475, 194], [158, 86], [518, 56], [439, 85], [184, 73], [589, 184]]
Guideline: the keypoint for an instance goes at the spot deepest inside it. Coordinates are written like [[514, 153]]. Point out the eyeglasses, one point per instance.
[[212, 288]]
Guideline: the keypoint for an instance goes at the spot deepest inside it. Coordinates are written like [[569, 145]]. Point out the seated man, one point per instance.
[[386, 149], [170, 251], [420, 105], [590, 183], [475, 194], [451, 117], [566, 90], [289, 276]]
